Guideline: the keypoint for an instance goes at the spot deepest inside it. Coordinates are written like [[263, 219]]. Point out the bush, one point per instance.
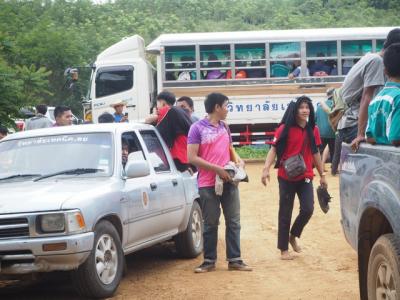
[[252, 152]]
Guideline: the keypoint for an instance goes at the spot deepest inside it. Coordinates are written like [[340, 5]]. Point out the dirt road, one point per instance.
[[326, 269]]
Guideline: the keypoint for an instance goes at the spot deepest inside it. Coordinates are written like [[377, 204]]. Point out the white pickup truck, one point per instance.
[[70, 200]]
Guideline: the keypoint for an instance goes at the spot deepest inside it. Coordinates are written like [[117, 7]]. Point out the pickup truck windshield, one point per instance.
[[51, 154]]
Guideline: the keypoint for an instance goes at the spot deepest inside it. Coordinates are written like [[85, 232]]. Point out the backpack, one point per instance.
[[338, 109]]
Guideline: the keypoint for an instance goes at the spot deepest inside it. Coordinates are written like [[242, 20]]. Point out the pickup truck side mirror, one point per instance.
[[137, 168]]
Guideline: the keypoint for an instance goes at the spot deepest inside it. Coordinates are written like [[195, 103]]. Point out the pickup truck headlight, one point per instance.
[[68, 222], [50, 223]]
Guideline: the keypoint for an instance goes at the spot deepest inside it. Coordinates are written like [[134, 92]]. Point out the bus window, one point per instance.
[[356, 48], [180, 60], [249, 61], [347, 64], [379, 45], [214, 61], [322, 58], [285, 58]]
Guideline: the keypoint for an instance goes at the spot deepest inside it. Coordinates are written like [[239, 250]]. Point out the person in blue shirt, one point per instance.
[[383, 126], [325, 129], [119, 116], [320, 68]]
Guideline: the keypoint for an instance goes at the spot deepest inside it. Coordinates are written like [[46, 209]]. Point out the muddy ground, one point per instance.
[[326, 269]]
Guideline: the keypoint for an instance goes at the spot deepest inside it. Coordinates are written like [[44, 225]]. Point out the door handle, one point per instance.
[[153, 186], [174, 182]]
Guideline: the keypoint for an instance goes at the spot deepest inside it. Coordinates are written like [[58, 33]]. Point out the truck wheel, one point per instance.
[[189, 243], [101, 273], [383, 269]]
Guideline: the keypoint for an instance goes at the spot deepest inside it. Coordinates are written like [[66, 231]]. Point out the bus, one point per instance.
[[260, 72]]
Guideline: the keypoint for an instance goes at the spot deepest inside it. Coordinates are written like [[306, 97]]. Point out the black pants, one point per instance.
[[287, 192]]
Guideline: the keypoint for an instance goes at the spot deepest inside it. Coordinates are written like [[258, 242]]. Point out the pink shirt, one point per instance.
[[214, 142]]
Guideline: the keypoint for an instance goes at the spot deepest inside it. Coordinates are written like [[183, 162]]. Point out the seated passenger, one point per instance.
[[297, 70], [320, 68], [383, 125], [125, 151], [214, 63], [187, 64]]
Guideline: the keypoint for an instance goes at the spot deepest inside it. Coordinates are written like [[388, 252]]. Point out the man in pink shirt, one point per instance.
[[209, 141]]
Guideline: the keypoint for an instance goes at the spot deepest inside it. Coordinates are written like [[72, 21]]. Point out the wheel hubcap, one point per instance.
[[385, 286], [196, 228], [106, 259]]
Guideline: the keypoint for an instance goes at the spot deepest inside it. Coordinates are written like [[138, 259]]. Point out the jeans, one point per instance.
[[287, 192], [346, 135], [210, 204]]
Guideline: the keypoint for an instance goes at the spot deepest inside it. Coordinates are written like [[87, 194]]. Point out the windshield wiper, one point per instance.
[[19, 176], [77, 171]]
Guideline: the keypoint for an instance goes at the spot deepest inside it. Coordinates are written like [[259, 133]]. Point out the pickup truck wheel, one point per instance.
[[101, 273], [189, 243], [383, 269]]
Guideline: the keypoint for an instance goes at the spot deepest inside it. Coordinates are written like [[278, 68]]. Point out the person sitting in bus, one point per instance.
[[214, 63], [187, 64], [297, 70], [320, 68]]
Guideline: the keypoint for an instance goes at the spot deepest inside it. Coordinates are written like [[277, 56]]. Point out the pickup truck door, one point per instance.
[[144, 207], [167, 185]]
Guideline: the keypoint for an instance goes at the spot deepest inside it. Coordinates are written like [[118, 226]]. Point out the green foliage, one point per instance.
[[252, 152], [56, 34]]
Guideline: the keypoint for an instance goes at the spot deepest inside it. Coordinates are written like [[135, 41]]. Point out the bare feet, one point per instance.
[[286, 256], [293, 243]]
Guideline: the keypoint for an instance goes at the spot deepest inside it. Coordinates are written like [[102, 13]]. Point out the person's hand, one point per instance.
[[123, 119], [323, 182], [223, 174], [355, 144], [265, 176]]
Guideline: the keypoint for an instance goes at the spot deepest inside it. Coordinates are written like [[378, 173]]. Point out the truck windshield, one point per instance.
[[113, 80], [50, 154]]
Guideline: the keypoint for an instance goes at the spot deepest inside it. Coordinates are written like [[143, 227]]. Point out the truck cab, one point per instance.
[[370, 216], [122, 73]]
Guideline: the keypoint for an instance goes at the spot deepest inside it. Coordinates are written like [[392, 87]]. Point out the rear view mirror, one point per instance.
[[137, 168]]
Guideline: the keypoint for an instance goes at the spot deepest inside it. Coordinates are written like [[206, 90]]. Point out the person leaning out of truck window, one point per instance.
[[63, 116], [125, 151], [296, 134], [384, 110], [173, 124]]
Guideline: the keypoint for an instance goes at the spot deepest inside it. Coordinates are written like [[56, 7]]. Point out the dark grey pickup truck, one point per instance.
[[370, 208]]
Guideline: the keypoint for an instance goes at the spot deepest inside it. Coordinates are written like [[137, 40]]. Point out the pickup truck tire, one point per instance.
[[101, 273], [189, 243], [383, 269]]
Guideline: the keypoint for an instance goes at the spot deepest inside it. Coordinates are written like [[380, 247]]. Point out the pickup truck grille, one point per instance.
[[14, 227]]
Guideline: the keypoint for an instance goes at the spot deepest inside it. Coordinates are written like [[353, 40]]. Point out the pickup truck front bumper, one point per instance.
[[27, 255]]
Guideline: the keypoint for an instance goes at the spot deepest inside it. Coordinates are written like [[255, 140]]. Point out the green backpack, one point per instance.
[[338, 109]]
